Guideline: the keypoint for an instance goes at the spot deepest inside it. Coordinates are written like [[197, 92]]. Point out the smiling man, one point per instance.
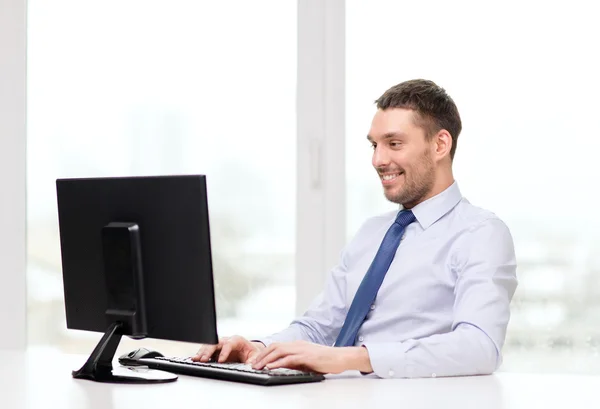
[[419, 292]]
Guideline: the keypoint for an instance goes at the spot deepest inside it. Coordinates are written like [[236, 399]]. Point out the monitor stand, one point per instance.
[[99, 366]]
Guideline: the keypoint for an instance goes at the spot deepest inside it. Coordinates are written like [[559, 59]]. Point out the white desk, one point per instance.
[[36, 380]]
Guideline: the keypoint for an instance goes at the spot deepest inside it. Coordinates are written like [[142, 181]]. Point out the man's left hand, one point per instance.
[[307, 356]]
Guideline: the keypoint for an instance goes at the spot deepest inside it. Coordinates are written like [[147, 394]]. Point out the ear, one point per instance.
[[442, 144]]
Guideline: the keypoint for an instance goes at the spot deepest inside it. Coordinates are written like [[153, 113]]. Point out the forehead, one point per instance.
[[394, 120]]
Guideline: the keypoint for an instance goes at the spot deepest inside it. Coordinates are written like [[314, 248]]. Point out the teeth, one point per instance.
[[390, 177]]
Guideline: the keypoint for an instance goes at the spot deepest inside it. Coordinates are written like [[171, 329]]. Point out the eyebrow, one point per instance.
[[388, 136]]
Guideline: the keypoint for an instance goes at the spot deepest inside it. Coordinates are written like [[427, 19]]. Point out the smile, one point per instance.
[[390, 176]]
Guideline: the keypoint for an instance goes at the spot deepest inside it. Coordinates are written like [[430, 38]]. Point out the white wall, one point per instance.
[[13, 299]]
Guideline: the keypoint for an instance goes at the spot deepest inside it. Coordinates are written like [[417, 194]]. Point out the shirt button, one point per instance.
[[361, 339], [391, 373], [372, 306]]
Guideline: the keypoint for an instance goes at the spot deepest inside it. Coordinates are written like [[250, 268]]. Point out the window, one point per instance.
[[524, 77], [142, 88]]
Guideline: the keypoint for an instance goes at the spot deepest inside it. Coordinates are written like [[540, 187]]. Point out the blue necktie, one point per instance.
[[367, 291]]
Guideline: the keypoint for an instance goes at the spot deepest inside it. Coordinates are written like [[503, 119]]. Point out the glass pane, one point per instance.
[[525, 79], [142, 88]]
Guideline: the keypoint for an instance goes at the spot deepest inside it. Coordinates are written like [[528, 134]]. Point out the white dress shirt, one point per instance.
[[443, 307]]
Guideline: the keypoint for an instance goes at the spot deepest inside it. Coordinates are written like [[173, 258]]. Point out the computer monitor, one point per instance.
[[136, 261]]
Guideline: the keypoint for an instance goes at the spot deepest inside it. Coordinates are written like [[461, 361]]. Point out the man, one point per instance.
[[449, 267]]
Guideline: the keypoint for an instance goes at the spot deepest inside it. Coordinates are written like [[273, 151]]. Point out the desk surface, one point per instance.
[[42, 379]]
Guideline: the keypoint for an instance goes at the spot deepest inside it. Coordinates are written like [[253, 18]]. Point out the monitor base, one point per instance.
[[130, 374], [99, 367]]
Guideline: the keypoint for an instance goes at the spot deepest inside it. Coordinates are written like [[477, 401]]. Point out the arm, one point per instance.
[[486, 281]]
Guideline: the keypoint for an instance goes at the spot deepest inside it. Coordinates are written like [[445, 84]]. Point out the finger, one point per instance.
[[202, 348], [289, 361], [226, 351], [204, 353], [266, 351], [251, 358], [297, 362], [201, 351], [272, 356], [253, 352], [262, 354]]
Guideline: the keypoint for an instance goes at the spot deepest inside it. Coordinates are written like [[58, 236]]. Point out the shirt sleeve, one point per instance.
[[485, 266], [323, 320]]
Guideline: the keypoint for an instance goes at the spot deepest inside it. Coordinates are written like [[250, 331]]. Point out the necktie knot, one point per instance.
[[405, 217]]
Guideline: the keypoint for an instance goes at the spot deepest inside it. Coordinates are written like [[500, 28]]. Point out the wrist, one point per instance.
[[356, 358]]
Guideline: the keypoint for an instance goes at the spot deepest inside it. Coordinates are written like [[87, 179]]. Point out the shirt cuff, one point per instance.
[[388, 359]]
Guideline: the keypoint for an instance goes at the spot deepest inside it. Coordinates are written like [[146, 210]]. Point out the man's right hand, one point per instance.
[[229, 349]]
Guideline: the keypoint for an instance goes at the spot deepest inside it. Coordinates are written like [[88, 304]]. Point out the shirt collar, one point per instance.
[[432, 209]]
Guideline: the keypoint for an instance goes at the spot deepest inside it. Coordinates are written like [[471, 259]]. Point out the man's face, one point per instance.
[[402, 156]]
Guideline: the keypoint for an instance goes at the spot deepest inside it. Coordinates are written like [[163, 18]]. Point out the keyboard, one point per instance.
[[236, 372]]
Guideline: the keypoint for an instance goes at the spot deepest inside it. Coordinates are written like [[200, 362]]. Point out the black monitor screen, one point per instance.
[[138, 245]]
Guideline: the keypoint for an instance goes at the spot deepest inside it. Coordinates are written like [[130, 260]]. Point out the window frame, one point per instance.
[[321, 181], [13, 105]]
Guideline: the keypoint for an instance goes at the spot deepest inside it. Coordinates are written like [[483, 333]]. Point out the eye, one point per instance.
[[395, 144], [373, 145]]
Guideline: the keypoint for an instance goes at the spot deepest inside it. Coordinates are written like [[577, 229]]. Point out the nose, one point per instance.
[[380, 157]]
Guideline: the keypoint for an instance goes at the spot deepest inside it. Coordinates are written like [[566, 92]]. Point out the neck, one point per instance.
[[443, 181]]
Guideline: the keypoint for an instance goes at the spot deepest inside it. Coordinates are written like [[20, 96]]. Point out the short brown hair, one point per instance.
[[435, 110]]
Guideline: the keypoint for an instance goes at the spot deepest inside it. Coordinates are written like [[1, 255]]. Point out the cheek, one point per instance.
[[404, 163], [414, 162], [400, 159]]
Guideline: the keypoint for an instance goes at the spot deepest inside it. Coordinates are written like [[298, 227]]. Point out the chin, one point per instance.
[[393, 196]]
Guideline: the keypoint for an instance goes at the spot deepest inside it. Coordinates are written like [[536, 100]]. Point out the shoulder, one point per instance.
[[474, 218], [483, 233]]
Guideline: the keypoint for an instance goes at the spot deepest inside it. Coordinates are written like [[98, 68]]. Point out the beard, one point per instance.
[[417, 184]]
